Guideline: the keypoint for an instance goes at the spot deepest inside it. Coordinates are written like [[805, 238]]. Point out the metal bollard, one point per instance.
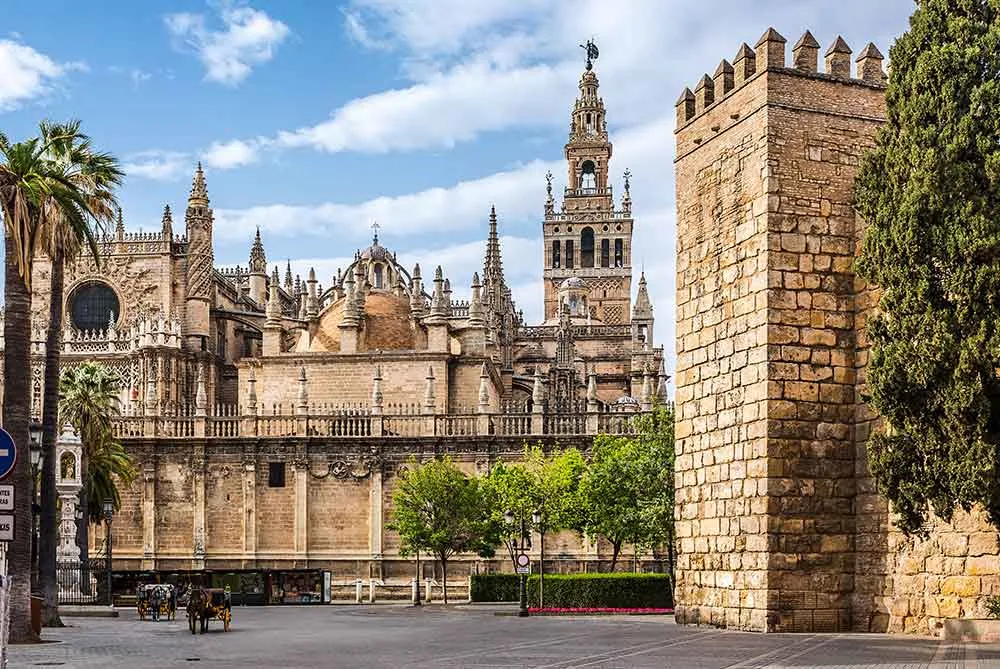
[[357, 591]]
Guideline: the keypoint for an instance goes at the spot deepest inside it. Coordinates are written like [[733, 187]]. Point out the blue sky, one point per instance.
[[314, 119]]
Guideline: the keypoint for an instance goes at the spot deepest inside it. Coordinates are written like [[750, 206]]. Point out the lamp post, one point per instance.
[[35, 455], [108, 507], [522, 545], [536, 519]]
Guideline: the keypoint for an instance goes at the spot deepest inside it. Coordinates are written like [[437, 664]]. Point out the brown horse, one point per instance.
[[207, 603]]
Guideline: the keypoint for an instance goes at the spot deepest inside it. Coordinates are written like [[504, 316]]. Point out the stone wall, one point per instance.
[[780, 525]]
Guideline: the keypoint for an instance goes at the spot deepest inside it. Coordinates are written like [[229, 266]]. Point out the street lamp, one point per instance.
[[521, 546], [35, 457], [536, 519], [108, 507]]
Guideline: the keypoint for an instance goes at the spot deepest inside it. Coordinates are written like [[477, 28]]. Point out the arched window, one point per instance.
[[379, 282], [93, 305], [67, 467], [619, 253], [605, 253], [556, 260], [569, 254], [588, 177], [587, 247]]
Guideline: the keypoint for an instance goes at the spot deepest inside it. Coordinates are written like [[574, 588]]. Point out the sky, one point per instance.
[[316, 119]]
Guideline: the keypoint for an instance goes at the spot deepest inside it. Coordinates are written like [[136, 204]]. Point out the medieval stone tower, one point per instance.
[[198, 223], [589, 239], [770, 503]]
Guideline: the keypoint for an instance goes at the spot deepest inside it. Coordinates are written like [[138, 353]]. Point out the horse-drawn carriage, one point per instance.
[[155, 601], [205, 604]]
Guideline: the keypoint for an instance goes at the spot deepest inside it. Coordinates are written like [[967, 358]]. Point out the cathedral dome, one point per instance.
[[375, 252], [386, 323]]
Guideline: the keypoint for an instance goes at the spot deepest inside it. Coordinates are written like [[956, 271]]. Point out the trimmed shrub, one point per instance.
[[495, 587], [615, 591]]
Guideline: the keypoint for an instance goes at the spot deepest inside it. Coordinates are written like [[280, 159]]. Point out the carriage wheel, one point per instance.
[[192, 621], [227, 617]]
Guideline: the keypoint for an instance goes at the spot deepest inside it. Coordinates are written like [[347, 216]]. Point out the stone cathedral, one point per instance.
[[269, 415]]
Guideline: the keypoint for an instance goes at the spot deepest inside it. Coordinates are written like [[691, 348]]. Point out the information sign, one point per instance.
[[523, 563], [7, 497], [6, 527]]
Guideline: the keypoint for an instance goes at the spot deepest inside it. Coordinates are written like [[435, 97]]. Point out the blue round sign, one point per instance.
[[8, 454]]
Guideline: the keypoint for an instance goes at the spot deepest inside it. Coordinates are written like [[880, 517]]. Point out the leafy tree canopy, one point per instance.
[[930, 192]]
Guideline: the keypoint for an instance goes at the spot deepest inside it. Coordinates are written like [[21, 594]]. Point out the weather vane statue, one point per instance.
[[592, 53]]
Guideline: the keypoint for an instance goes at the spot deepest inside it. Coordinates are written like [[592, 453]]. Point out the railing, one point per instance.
[[403, 421]]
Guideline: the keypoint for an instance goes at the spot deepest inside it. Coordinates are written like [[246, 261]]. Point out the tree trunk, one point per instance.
[[444, 577], [616, 549], [48, 524], [16, 413]]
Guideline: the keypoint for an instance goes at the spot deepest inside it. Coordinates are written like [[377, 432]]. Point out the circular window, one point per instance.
[[93, 305], [605, 228], [556, 229]]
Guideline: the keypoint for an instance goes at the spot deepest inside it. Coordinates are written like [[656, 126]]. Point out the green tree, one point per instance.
[[64, 229], [930, 193], [438, 509], [627, 491], [29, 182]]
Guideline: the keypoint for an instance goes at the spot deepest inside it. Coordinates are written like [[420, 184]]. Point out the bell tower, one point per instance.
[[589, 238]]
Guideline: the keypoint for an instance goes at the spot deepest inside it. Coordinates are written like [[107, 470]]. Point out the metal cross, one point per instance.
[[376, 227]]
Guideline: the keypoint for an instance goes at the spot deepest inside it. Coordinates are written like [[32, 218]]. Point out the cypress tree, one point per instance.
[[930, 193]]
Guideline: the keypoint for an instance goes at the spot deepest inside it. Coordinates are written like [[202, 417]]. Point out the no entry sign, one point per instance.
[[8, 454]]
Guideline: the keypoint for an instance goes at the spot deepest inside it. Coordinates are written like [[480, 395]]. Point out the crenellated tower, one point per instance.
[[198, 222], [589, 238], [774, 521]]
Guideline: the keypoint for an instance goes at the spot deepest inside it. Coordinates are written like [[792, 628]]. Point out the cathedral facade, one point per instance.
[[231, 376]]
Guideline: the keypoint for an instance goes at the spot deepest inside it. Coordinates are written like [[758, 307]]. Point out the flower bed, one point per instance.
[[559, 611]]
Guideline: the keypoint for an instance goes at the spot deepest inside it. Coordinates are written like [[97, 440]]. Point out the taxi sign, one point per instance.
[[8, 454]]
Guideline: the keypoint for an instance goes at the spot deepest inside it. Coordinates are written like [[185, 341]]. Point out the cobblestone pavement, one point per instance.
[[469, 636]]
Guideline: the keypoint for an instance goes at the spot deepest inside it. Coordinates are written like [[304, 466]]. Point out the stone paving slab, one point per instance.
[[467, 636]]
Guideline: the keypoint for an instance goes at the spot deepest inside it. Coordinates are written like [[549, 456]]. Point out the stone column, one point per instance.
[[301, 466], [69, 453], [149, 515], [249, 511], [375, 512], [198, 529]]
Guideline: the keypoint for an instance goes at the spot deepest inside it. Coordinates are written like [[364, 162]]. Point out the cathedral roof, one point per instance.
[[387, 324]]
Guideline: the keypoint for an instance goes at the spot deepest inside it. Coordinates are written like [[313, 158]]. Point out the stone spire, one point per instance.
[[484, 390], [493, 265], [167, 223], [302, 397], [476, 303], [429, 401], [251, 392], [537, 391], [351, 315], [447, 297], [312, 296], [643, 308], [273, 312], [199, 192], [437, 299], [288, 275], [119, 225], [416, 294], [198, 222], [274, 277], [258, 261], [377, 391]]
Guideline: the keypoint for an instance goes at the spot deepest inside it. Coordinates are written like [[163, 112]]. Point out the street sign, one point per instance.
[[8, 454], [522, 563], [6, 527], [7, 497]]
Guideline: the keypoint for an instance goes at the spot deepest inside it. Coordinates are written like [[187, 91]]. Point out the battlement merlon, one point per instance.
[[769, 56]]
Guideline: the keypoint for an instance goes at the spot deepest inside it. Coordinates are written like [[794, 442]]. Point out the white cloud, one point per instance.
[[26, 74], [248, 37], [158, 165], [227, 155]]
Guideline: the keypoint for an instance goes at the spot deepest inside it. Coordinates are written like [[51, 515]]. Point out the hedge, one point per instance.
[[617, 590], [495, 587]]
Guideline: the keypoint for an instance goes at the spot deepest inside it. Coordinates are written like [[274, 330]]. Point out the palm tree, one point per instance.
[[88, 399], [29, 183], [64, 228]]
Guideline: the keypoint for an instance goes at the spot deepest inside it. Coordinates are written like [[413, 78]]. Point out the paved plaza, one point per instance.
[[469, 636]]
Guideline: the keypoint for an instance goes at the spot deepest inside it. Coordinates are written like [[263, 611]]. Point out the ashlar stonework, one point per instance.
[[779, 523]]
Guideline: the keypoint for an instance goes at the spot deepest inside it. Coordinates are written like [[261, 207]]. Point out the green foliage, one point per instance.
[[495, 587], [628, 489], [619, 591], [930, 192], [547, 483], [438, 509], [88, 400], [993, 606]]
